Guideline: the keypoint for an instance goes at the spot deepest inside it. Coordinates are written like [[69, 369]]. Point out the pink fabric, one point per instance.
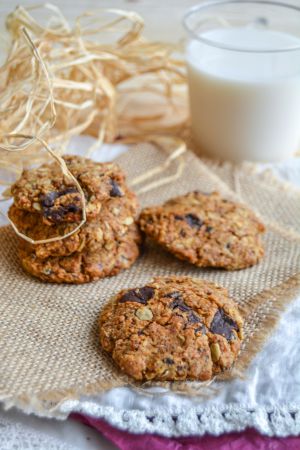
[[247, 440]]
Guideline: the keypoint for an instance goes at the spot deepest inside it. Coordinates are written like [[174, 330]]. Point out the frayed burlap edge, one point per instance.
[[278, 297]]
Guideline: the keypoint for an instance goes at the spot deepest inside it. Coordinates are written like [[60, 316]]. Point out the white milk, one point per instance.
[[245, 105]]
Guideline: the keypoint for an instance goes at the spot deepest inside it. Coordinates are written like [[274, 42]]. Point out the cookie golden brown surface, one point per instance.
[[113, 221], [112, 255], [45, 208], [47, 192], [206, 230], [174, 328]]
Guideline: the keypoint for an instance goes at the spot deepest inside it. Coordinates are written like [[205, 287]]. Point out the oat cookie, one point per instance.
[[116, 215], [206, 230], [47, 192], [174, 328], [46, 206], [102, 258]]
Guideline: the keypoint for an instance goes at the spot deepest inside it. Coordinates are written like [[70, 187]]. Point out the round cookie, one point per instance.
[[46, 190], [113, 254], [174, 328], [119, 213], [206, 230]]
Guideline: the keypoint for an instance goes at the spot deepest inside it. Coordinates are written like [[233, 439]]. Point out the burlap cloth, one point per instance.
[[49, 336]]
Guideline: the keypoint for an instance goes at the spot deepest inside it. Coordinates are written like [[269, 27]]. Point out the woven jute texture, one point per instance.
[[49, 336]]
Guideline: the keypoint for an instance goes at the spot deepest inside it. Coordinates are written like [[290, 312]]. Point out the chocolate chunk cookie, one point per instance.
[[174, 328], [116, 215], [103, 257], [48, 192], [206, 230], [46, 207]]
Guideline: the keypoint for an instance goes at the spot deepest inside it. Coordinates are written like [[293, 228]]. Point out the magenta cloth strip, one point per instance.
[[249, 439]]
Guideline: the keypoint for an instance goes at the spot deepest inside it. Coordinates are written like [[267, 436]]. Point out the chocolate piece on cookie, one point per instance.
[[47, 192], [112, 222], [206, 230], [174, 328], [46, 207]]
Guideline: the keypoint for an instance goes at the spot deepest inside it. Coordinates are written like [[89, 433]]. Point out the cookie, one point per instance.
[[112, 254], [116, 215], [46, 205], [48, 192], [206, 230], [174, 328]]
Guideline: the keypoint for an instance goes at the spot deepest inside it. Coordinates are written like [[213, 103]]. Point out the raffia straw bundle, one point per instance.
[[59, 81]]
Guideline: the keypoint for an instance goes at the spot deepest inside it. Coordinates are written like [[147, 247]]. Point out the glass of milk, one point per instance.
[[243, 62]]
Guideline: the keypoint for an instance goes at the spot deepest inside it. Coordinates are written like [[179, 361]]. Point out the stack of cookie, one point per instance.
[[47, 205]]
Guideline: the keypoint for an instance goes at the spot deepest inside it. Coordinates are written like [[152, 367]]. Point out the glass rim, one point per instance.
[[211, 3]]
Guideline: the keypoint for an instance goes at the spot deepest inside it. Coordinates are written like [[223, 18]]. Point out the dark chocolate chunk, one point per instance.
[[182, 233], [146, 292], [223, 325], [67, 190], [177, 217], [193, 318], [138, 295], [58, 214], [228, 245], [208, 229], [179, 303], [48, 199], [72, 208], [54, 215], [132, 296], [193, 221], [168, 361], [115, 189]]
